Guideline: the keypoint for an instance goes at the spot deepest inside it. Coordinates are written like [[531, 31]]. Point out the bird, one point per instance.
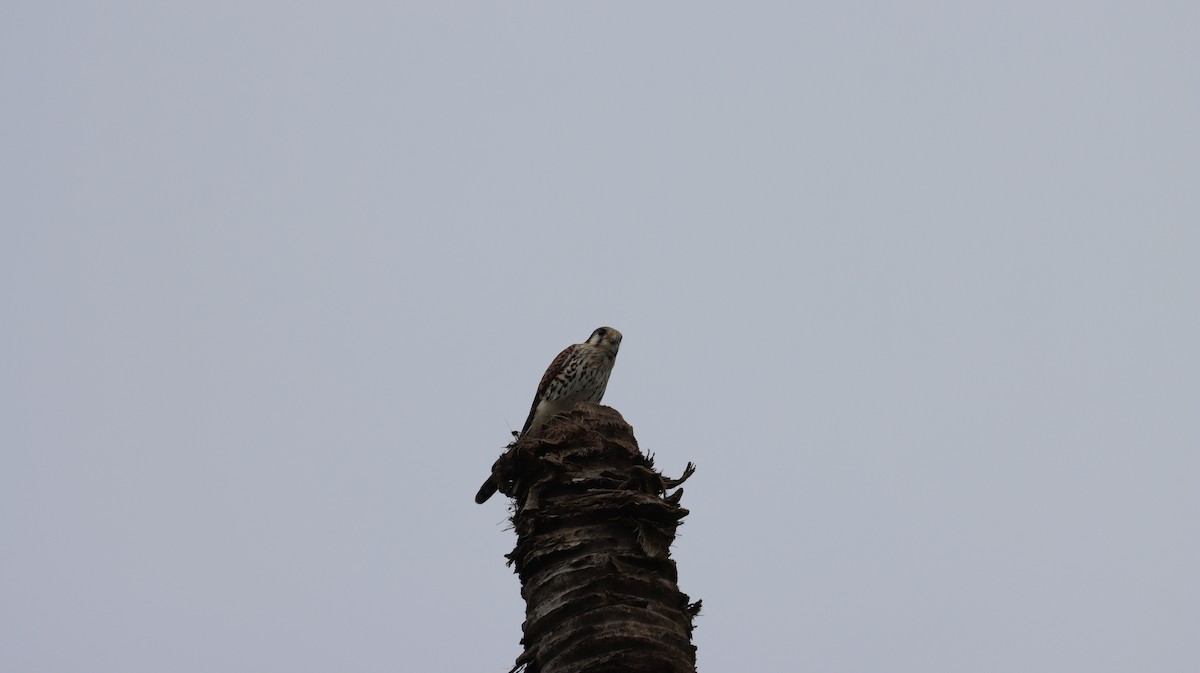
[[579, 374]]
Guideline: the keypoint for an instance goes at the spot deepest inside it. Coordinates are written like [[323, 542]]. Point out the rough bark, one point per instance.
[[594, 527]]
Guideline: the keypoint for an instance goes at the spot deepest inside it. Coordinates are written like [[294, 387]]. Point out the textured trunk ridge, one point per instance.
[[594, 528]]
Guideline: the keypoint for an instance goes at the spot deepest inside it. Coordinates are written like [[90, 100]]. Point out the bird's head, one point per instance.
[[607, 337]]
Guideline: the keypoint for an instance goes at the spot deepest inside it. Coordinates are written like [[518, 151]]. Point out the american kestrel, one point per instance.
[[578, 374]]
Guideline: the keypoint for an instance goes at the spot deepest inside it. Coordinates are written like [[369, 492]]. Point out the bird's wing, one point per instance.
[[551, 372]]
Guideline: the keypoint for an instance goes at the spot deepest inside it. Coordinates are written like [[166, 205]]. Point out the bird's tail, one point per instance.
[[486, 491]]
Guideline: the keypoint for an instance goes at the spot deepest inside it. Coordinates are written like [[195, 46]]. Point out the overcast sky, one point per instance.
[[915, 285]]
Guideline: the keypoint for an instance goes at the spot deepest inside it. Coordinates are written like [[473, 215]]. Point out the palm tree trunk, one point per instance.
[[594, 527]]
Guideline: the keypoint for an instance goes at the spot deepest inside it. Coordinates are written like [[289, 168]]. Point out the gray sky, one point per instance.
[[916, 287]]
